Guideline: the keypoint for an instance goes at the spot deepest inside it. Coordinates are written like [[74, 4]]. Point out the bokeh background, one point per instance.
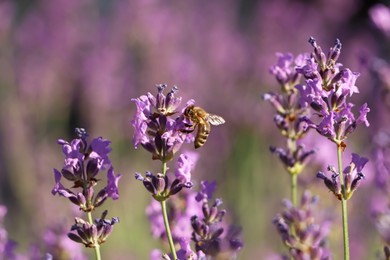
[[77, 63]]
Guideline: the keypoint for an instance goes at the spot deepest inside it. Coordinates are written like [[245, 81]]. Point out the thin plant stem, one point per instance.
[[345, 229], [165, 217], [97, 246], [292, 146], [344, 210], [294, 187]]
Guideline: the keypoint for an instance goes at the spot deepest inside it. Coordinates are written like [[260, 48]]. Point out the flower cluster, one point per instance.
[[293, 161], [83, 162], [326, 89], [160, 187], [157, 127], [92, 234], [296, 226], [352, 175]]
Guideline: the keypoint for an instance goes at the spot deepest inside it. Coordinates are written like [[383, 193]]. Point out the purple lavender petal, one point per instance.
[[112, 184]]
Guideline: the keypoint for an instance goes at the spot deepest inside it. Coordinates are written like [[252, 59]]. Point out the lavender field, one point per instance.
[[149, 129]]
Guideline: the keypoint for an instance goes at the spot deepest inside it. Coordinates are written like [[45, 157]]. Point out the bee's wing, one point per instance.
[[215, 120]]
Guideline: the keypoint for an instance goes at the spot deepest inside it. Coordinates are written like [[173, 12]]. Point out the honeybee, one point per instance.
[[203, 120]]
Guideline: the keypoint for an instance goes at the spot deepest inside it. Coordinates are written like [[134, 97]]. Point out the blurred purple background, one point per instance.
[[77, 63]]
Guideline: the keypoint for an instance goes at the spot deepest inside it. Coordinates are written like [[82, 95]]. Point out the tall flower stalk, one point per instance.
[[326, 89], [158, 128], [165, 217], [161, 129], [288, 112]]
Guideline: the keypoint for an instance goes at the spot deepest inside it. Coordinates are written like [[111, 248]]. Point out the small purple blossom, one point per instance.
[[347, 80], [363, 111], [185, 165], [73, 156], [58, 187], [112, 184], [284, 70], [100, 150]]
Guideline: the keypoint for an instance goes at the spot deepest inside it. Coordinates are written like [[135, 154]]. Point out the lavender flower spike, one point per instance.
[[83, 162], [326, 90]]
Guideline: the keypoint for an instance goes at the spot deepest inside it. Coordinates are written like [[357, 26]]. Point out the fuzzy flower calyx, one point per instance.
[[352, 177], [160, 186], [92, 235]]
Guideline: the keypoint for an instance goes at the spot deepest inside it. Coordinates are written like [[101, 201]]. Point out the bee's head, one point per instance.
[[189, 111]]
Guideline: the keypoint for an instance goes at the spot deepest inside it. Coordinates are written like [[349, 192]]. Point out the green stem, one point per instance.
[[343, 205], [97, 246], [294, 187], [345, 229], [292, 147], [168, 230], [165, 217]]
